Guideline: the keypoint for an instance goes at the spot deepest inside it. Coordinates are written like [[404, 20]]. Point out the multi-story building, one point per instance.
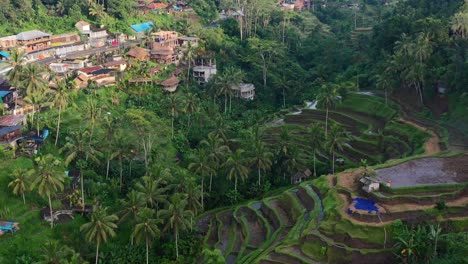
[[97, 37], [203, 73], [33, 40]]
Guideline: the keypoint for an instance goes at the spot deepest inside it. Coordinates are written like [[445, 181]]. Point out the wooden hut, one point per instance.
[[170, 85]]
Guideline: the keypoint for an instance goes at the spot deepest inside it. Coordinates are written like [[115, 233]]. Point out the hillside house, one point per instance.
[[97, 37], [301, 176], [185, 41], [81, 81], [244, 90], [165, 39], [170, 85], [202, 74], [33, 40], [137, 53], [89, 70], [8, 42], [66, 38], [60, 68], [12, 120], [10, 134], [116, 65], [164, 55]]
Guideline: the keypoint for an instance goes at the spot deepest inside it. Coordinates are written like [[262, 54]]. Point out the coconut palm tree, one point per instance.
[[152, 191], [233, 78], [53, 252], [33, 80], [460, 24], [17, 62], [49, 178], [316, 138], [176, 217], [336, 142], [78, 149], [216, 151], [131, 205], [174, 102], [146, 228], [191, 106], [190, 188], [237, 167], [284, 83], [201, 166], [100, 227], [61, 100], [328, 98], [92, 114], [189, 55], [262, 159], [22, 182]]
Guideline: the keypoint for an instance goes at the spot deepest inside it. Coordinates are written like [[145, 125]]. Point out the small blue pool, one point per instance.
[[365, 205]]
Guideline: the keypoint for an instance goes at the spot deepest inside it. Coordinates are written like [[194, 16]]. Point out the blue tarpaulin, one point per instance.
[[4, 54], [365, 205], [142, 27]]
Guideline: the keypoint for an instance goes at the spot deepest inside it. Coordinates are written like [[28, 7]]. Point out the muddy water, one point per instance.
[[427, 171]]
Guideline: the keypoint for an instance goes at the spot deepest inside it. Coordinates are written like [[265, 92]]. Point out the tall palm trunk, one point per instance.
[[176, 234], [58, 125], [97, 252], [202, 183], [315, 167], [230, 103], [333, 162], [82, 187], [107, 168], [50, 211], [259, 174], [121, 171], [147, 249], [326, 123], [225, 102], [284, 98], [211, 181], [235, 184], [24, 199]]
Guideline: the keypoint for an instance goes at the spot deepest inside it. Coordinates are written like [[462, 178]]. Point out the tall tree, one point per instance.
[[216, 151], [33, 80], [49, 179], [336, 142], [176, 217], [237, 167], [174, 102], [316, 138], [261, 159], [328, 98], [146, 229], [100, 227], [152, 191], [62, 98], [22, 182], [201, 166]]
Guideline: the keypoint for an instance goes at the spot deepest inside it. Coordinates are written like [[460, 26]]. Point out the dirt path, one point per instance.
[[432, 146]]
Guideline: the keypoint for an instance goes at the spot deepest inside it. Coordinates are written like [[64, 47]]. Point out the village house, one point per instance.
[[33, 40], [8, 42], [97, 37], [75, 64], [81, 81], [202, 74], [66, 38], [185, 41], [12, 120], [370, 184], [164, 55], [138, 54], [301, 176], [155, 70], [244, 90], [170, 85], [165, 39], [9, 134], [60, 68], [116, 65]]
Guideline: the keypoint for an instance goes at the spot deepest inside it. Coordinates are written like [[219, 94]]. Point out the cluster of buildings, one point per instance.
[[295, 5], [148, 6]]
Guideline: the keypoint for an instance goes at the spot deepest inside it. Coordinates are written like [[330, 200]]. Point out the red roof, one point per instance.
[[157, 6], [90, 69], [11, 120]]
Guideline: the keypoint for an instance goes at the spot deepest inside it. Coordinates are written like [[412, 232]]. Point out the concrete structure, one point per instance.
[[59, 67], [164, 55], [33, 40], [370, 184], [165, 39], [97, 37], [244, 90], [202, 74], [8, 42]]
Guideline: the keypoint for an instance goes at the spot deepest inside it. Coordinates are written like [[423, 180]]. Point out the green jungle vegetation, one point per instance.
[[158, 168]]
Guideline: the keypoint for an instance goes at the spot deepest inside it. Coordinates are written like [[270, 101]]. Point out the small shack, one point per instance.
[[301, 176], [12, 120], [370, 184], [170, 85], [10, 134]]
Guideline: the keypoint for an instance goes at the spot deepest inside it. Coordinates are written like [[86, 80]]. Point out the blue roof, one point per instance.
[[4, 54], [4, 93], [142, 27]]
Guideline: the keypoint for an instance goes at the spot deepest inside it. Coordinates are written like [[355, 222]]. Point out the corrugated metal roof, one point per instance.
[[32, 34], [11, 120], [142, 27]]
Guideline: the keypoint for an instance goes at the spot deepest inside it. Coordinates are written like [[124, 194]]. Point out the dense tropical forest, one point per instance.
[[152, 168]]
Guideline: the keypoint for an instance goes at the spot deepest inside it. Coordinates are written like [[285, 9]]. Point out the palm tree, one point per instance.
[[174, 104], [191, 106], [384, 82], [97, 11], [237, 167], [146, 228], [176, 217], [215, 150], [78, 150], [15, 75], [100, 228], [460, 24], [49, 179], [233, 77], [290, 162], [33, 81], [337, 140], [316, 139], [192, 193], [189, 55], [284, 84], [151, 191], [92, 114], [201, 166], [262, 159], [62, 98], [328, 97], [22, 182], [131, 205], [53, 252]]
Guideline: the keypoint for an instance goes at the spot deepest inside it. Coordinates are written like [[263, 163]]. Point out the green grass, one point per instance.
[[371, 105], [315, 250]]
